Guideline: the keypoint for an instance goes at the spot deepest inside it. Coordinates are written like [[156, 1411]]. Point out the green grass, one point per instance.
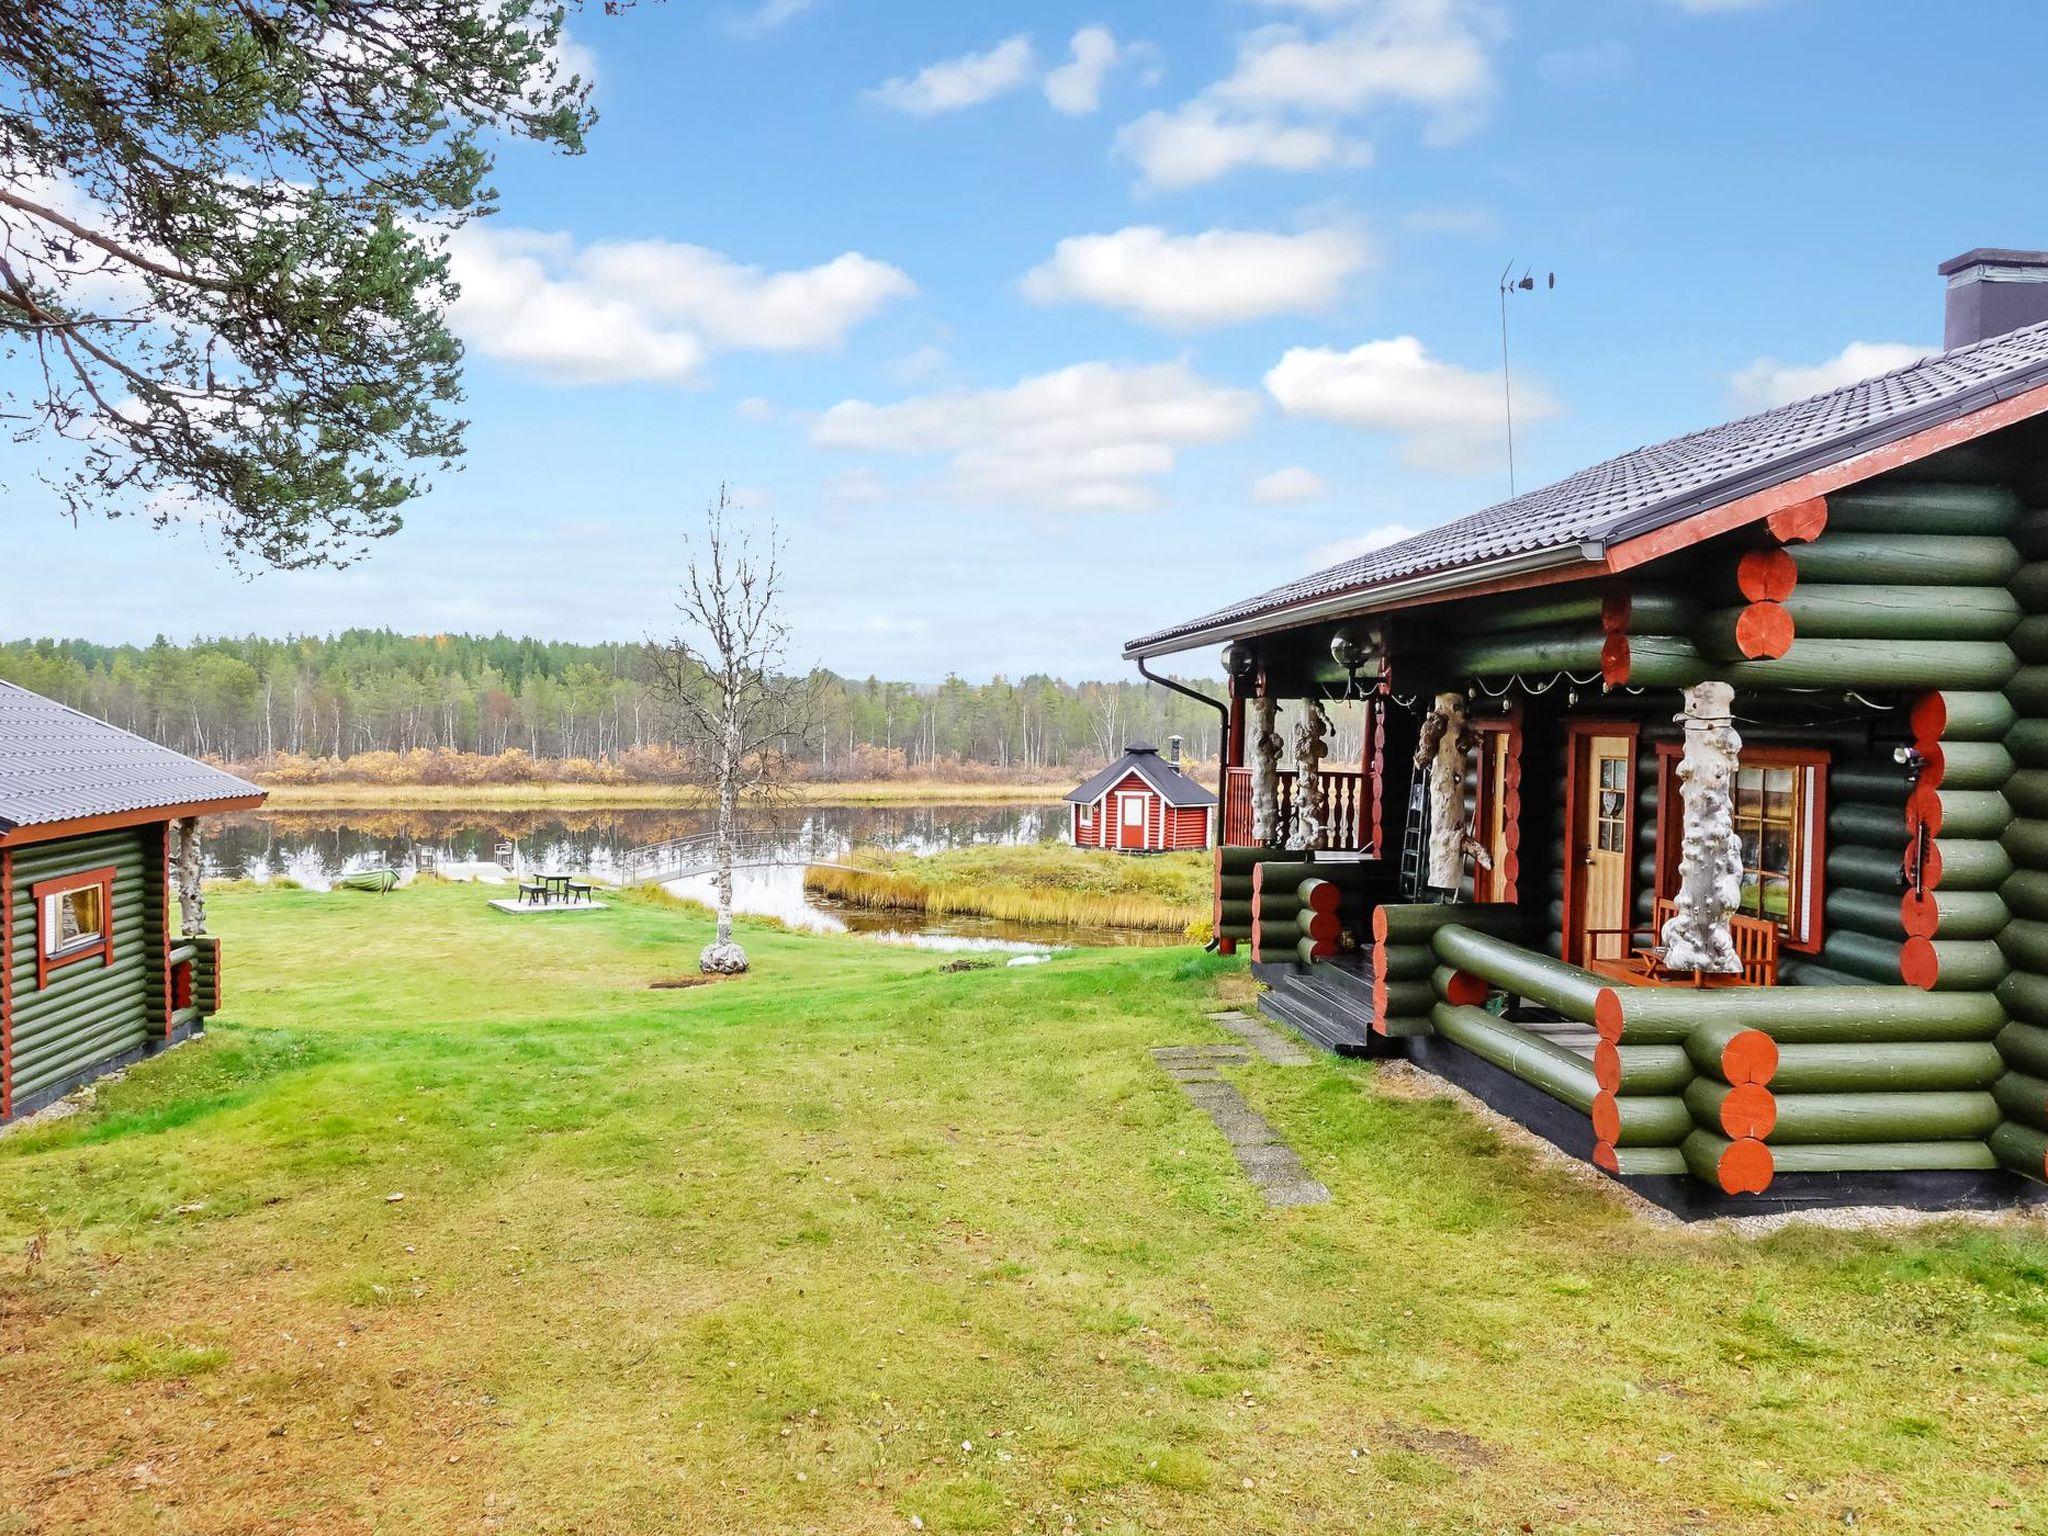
[[853, 1241], [1028, 883]]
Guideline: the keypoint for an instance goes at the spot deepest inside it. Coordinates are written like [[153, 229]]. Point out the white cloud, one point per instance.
[[1196, 143], [1478, 223], [1768, 382], [1076, 86], [1447, 417], [1086, 438], [1219, 277], [1337, 551], [920, 364], [758, 409], [968, 81], [1289, 485], [1436, 55], [647, 310], [769, 15], [857, 485]]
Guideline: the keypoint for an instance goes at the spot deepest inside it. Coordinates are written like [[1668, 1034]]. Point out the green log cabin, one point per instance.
[[99, 837], [1701, 822]]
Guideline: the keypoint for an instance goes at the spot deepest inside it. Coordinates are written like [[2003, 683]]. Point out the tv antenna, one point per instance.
[[1509, 284]]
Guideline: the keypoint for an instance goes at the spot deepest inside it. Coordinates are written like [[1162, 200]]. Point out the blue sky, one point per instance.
[[1036, 326]]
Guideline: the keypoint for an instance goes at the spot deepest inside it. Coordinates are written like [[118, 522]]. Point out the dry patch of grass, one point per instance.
[[1027, 883]]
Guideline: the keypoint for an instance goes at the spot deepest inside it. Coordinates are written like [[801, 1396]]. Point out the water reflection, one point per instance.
[[315, 848]]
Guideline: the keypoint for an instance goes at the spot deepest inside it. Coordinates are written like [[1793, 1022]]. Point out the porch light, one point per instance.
[[1239, 659]]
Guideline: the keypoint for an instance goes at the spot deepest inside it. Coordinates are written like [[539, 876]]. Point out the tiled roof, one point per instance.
[[1174, 787], [57, 765], [1655, 486]]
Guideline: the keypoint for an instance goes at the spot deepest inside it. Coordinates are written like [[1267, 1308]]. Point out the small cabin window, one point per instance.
[[1087, 815], [1780, 810], [74, 919]]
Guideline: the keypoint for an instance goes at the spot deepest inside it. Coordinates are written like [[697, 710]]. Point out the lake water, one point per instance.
[[315, 847]]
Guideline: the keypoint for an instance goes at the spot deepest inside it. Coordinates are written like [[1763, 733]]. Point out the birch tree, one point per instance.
[[723, 678]]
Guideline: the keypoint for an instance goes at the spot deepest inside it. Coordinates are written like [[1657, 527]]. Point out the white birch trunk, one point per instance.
[[1266, 748], [722, 956], [191, 897], [1697, 937], [1446, 739]]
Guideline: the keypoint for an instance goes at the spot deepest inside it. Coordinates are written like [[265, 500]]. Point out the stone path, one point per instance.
[[1266, 1160]]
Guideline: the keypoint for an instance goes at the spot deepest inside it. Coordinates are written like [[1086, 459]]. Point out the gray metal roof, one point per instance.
[[1653, 487], [57, 764], [1174, 787]]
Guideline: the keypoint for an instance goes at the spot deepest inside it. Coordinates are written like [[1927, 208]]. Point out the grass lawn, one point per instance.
[[853, 1244]]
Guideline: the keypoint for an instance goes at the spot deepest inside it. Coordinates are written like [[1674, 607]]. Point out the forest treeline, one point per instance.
[[306, 706]]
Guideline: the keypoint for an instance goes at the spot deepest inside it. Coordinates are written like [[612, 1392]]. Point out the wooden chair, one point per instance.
[[1756, 945]]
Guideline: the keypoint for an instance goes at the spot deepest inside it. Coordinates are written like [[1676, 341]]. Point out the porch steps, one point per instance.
[[1330, 1006]]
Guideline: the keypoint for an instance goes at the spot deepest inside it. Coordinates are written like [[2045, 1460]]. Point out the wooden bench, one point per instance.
[[1756, 945]]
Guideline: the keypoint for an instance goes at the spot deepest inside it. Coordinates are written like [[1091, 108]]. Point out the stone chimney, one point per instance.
[[1991, 292], [1173, 751]]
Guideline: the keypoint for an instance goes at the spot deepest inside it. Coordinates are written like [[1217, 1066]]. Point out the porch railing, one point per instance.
[[1345, 793]]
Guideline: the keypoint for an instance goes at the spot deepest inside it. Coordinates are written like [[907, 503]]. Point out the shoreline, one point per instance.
[[527, 797]]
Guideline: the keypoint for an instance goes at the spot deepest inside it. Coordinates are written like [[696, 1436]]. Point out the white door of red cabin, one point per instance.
[[1131, 821]]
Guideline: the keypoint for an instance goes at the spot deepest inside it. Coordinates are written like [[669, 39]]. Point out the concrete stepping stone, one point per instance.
[[1263, 1038], [1274, 1168]]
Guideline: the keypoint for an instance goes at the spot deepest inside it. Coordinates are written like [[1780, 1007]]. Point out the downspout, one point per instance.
[[1222, 747]]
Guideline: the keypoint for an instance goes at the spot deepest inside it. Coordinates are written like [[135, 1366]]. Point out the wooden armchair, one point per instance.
[[1642, 964]]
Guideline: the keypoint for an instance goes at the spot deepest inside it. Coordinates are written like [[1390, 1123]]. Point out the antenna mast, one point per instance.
[[1512, 284]]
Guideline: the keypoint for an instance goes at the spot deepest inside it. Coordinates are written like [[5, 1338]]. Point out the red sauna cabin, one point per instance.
[[1142, 803]]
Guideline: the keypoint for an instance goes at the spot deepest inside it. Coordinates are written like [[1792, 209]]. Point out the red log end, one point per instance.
[[1226, 947], [1258, 884], [1614, 611], [1750, 1057], [1379, 925], [1607, 1066], [1798, 523], [1919, 965], [1763, 631], [1614, 660], [1920, 913], [1323, 927], [1766, 575], [1606, 1116], [1604, 1158], [1930, 868], [1929, 718], [1467, 990], [1607, 1014], [1923, 806], [1749, 1110], [1379, 992], [1324, 897], [1745, 1168]]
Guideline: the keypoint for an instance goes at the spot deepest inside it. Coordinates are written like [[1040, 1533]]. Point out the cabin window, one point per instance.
[[74, 919], [1087, 815], [1780, 814]]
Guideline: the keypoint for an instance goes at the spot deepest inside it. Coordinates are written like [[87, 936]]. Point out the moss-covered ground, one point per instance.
[[857, 1245]]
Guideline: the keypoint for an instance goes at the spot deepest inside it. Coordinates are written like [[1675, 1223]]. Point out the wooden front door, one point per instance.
[[1602, 823], [1131, 821]]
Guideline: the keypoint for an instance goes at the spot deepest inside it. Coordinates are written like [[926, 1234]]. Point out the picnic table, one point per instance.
[[543, 890]]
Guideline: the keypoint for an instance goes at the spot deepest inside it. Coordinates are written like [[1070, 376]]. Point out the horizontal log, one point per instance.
[[1400, 1027], [1461, 987], [1754, 631], [1864, 867], [1733, 1167], [1951, 715], [2026, 840], [1797, 970], [2024, 1098], [1735, 1110], [1815, 1118], [1917, 1066], [119, 1019], [1403, 962], [1521, 1053], [1866, 912], [1646, 1120], [2029, 639], [1641, 1162], [2027, 742], [1867, 612], [1968, 864], [1878, 664], [1974, 764], [1641, 1069], [1548, 650], [2030, 584], [1319, 895], [1885, 1157], [2025, 997], [1413, 999], [1904, 507], [2028, 690], [1323, 927], [2024, 1047], [1965, 813], [1871, 826], [1765, 576], [1520, 972], [1797, 1015], [2025, 893], [1236, 914], [1311, 951], [1861, 955], [2022, 1149], [1951, 914], [1724, 1050], [1942, 965], [2024, 943], [29, 1080], [1870, 782], [1281, 876], [2026, 791], [1906, 559], [1412, 923]]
